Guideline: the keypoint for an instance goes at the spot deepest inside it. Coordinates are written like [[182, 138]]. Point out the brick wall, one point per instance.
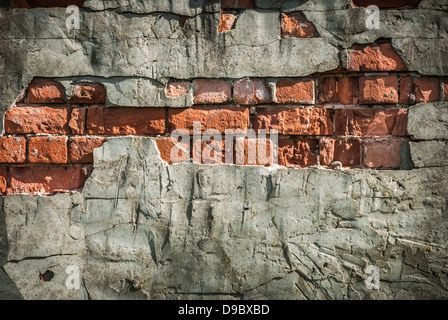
[[355, 115]]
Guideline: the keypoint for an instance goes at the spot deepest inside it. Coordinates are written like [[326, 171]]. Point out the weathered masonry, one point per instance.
[[89, 191]]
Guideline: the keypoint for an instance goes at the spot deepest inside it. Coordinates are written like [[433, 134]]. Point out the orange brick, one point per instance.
[[295, 91], [384, 154], [297, 152], [361, 122], [347, 152], [12, 150], [211, 91], [176, 89], [338, 90], [45, 180], [296, 121], [81, 148], [251, 91], [47, 150], [52, 120], [295, 25], [380, 57], [45, 91], [226, 22], [378, 90], [172, 150], [3, 179], [88, 93], [122, 121], [424, 90], [231, 118]]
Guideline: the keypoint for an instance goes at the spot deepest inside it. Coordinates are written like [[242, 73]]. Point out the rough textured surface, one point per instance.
[[139, 228]]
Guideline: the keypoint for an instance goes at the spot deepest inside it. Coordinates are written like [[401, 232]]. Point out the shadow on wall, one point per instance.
[[8, 289]]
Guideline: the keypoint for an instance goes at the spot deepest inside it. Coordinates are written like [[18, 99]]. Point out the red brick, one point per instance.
[[88, 93], [45, 3], [254, 152], [3, 179], [297, 152], [380, 57], [45, 180], [295, 91], [361, 122], [347, 152], [211, 118], [384, 154], [45, 91], [12, 150], [226, 22], [47, 150], [52, 120], [176, 89], [297, 121], [81, 148], [122, 121], [251, 91], [166, 145], [445, 89], [387, 3], [338, 90], [209, 152], [77, 121], [420, 90], [211, 91], [378, 90], [237, 4], [295, 25]]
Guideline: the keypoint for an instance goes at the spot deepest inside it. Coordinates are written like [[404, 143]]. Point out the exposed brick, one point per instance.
[[387, 3], [45, 91], [226, 22], [445, 89], [348, 152], [47, 150], [295, 91], [380, 57], [209, 152], [297, 152], [384, 154], [211, 91], [419, 90], [254, 152], [112, 121], [179, 154], [3, 179], [45, 3], [297, 121], [81, 148], [175, 89], [362, 122], [251, 91], [378, 90], [295, 25], [338, 90], [12, 150], [52, 120], [210, 118], [88, 93], [44, 180], [237, 4]]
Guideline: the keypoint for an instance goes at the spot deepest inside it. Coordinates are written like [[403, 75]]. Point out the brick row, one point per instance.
[[48, 149], [385, 153], [43, 180]]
